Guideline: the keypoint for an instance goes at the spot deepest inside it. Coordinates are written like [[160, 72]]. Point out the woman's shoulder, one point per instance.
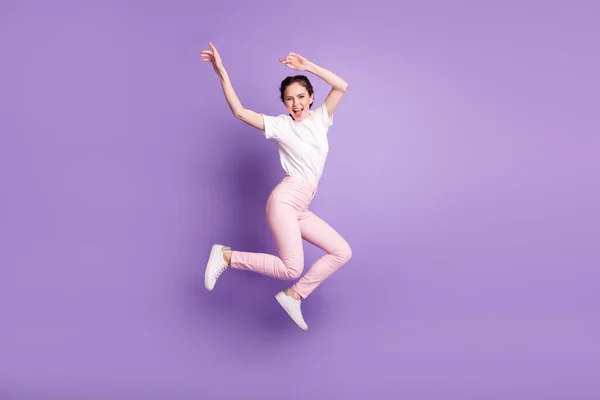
[[321, 116], [315, 111]]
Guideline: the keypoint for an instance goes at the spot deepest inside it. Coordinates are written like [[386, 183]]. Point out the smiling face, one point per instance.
[[297, 95], [297, 101]]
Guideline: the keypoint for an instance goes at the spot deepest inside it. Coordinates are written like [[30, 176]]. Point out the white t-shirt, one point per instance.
[[303, 145]]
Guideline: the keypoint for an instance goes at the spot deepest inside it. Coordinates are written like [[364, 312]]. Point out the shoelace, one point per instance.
[[220, 270]]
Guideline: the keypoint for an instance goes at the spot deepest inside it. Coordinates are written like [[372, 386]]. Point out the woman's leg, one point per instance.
[[282, 219], [316, 231]]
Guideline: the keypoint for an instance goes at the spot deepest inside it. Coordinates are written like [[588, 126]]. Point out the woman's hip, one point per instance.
[[294, 192]]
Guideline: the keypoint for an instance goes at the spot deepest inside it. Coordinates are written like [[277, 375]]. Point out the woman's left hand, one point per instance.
[[295, 62]]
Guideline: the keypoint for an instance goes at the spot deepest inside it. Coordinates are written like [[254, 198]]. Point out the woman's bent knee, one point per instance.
[[292, 269], [343, 254]]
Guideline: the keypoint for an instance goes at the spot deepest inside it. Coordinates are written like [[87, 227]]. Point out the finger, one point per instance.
[[206, 52]]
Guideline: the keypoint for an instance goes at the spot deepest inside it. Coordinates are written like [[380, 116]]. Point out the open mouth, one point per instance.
[[298, 112]]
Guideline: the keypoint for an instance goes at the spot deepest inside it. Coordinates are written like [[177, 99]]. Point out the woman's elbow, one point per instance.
[[239, 114]]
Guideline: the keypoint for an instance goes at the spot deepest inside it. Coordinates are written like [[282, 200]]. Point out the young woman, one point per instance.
[[301, 137]]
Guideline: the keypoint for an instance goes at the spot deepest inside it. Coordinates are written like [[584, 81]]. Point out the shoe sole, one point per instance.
[[278, 297], [215, 255]]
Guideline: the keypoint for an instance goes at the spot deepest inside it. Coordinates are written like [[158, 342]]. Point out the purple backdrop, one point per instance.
[[463, 171]]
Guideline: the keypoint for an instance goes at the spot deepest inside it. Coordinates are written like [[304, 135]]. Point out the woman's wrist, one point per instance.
[[223, 76], [312, 67], [328, 76]]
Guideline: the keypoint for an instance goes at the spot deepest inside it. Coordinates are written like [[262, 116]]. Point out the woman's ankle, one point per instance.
[[293, 294], [227, 255]]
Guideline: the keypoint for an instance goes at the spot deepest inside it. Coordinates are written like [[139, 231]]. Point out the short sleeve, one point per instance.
[[323, 116], [273, 126]]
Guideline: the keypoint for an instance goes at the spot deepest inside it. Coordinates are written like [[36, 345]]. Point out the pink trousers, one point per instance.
[[290, 221]]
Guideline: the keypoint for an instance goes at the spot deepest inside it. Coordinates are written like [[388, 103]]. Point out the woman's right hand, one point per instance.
[[212, 56]]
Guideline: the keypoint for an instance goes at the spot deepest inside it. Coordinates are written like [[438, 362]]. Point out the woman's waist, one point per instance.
[[298, 188]]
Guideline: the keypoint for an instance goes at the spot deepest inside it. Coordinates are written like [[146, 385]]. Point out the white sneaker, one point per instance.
[[292, 307], [215, 267]]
